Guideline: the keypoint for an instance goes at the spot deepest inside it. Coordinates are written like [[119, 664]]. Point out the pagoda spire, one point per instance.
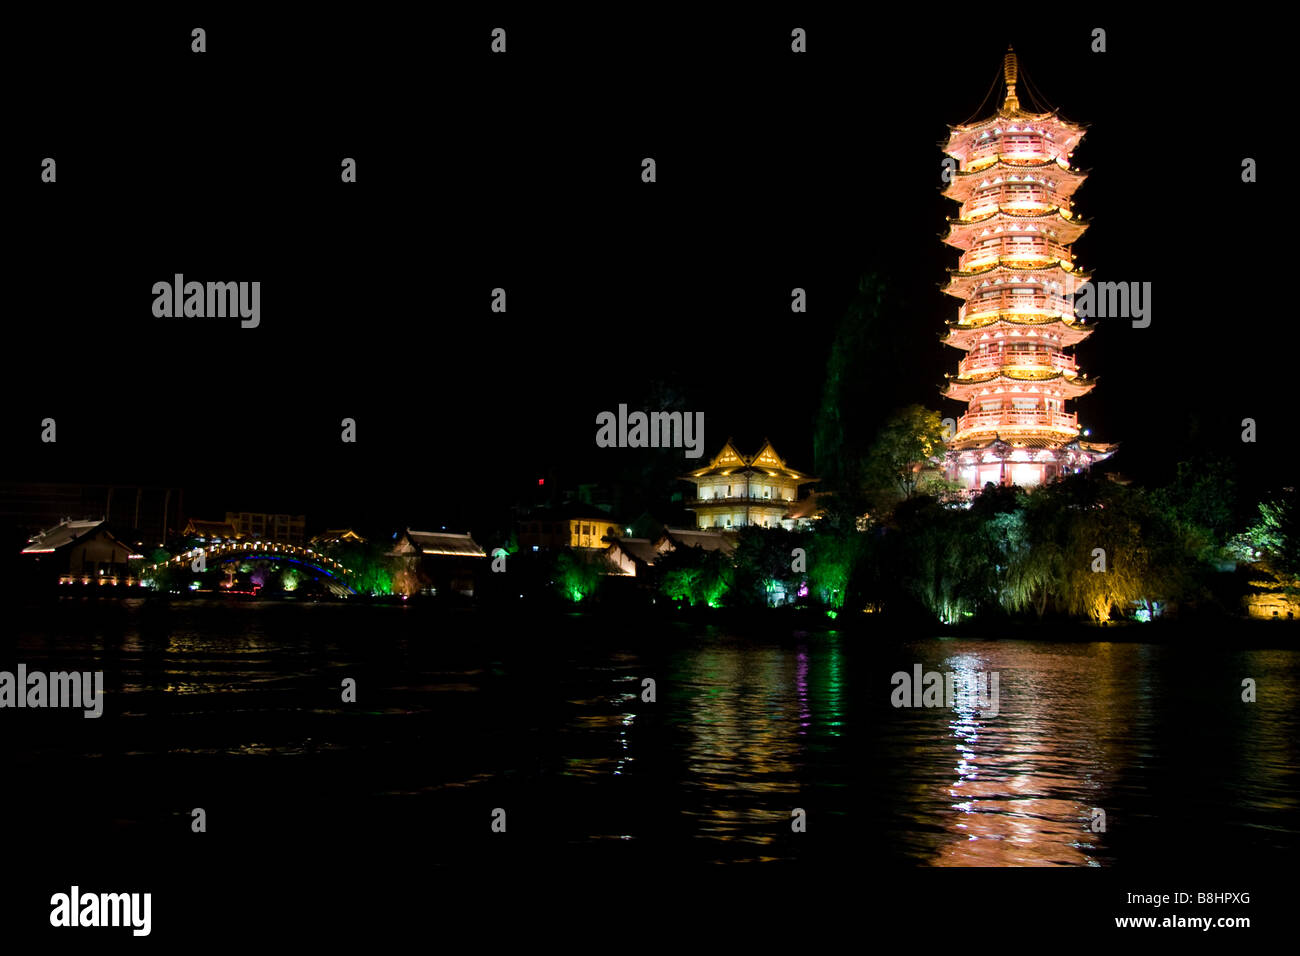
[[1010, 71]]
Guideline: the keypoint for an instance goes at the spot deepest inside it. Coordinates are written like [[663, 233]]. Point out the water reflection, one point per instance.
[[743, 730]]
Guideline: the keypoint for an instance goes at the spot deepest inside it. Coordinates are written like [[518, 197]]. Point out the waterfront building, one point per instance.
[[634, 557], [736, 490], [437, 562], [567, 526], [81, 552]]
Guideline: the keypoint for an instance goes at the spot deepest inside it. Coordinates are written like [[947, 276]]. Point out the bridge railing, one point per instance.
[[256, 548]]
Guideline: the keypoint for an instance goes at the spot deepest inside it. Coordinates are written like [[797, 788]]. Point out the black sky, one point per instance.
[[522, 171]]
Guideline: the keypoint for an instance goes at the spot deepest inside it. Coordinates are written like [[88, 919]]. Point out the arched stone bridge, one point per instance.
[[259, 550]]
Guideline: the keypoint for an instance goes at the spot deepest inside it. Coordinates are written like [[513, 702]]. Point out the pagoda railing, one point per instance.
[[1011, 252], [1014, 303], [1036, 149], [741, 500], [996, 419], [1018, 358], [986, 198]]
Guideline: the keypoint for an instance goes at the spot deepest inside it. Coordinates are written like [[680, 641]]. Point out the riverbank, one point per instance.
[[527, 616]]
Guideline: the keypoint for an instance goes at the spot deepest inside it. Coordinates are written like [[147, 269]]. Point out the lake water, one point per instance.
[[237, 709]]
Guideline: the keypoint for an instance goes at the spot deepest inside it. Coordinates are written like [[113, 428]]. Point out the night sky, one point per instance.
[[523, 171]]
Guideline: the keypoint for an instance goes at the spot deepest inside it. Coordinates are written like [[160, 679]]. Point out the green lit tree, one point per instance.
[[695, 575], [764, 564], [578, 577], [1274, 538], [373, 569]]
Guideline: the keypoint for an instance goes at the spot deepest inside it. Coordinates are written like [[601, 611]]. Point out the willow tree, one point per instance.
[[1098, 547]]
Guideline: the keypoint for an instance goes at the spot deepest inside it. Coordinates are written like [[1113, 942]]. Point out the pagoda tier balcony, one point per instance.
[[739, 501], [967, 183], [1053, 332], [1013, 249], [966, 235], [1009, 419], [1032, 279], [1016, 148], [1034, 199], [1008, 383], [1050, 278], [1007, 358], [1010, 135], [1050, 307], [1034, 384]]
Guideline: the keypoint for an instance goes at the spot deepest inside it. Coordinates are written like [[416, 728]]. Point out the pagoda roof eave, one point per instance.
[[1074, 385], [1052, 266], [956, 330], [982, 438], [1003, 162], [1053, 212], [1017, 116]]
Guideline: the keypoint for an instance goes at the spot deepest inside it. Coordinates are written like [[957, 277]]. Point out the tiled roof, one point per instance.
[[60, 536], [639, 549], [708, 540], [442, 542], [211, 529]]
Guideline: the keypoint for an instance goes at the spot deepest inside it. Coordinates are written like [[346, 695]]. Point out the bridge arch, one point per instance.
[[259, 550]]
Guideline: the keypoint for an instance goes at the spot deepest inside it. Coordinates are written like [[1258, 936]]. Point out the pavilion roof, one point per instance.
[[61, 535], [730, 461], [696, 538], [640, 550], [445, 543]]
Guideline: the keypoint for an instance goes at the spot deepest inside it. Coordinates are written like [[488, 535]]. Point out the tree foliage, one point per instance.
[[910, 441], [695, 576]]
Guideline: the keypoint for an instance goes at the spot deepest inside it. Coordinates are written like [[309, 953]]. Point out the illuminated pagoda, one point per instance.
[[1016, 277]]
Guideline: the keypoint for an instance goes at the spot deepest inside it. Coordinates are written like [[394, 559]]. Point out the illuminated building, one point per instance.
[[289, 528], [636, 556], [83, 552], [1016, 279], [436, 562], [568, 526], [736, 490]]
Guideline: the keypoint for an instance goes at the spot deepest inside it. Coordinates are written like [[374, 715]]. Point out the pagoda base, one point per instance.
[[1025, 462]]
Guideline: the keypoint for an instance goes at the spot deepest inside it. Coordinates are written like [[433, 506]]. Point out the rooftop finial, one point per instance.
[[1010, 69]]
